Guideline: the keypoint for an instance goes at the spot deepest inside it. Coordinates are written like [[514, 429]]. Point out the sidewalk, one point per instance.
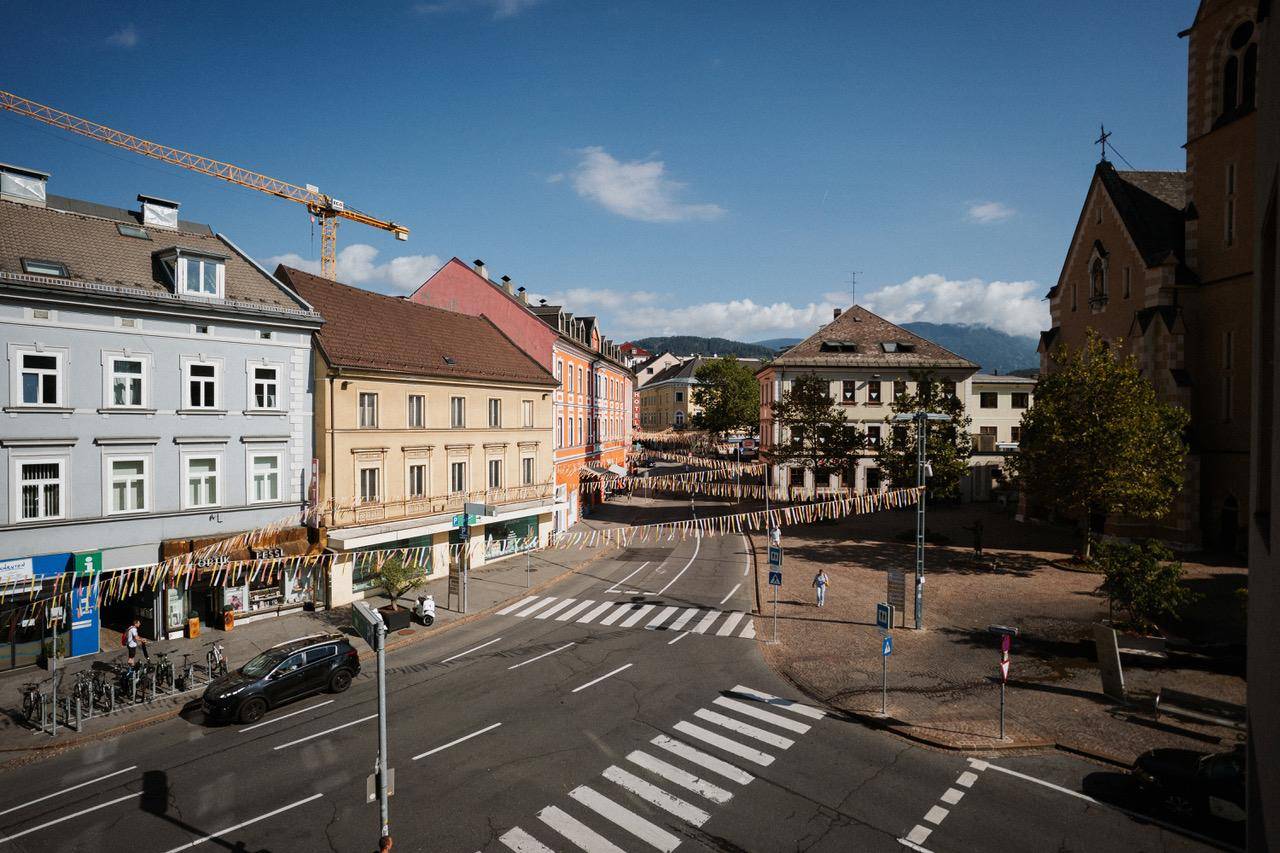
[[491, 586]]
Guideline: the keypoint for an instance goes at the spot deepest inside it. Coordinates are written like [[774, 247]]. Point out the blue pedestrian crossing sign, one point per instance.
[[775, 578], [886, 648]]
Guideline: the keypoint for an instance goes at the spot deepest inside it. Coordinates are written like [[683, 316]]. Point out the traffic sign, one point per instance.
[[371, 785], [775, 577], [366, 621], [463, 520], [1005, 640], [775, 555], [1004, 671], [886, 647], [884, 616]]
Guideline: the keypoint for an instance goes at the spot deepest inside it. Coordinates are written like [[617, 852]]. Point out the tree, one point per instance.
[[948, 443], [1143, 580], [397, 576], [816, 435], [1097, 440], [729, 396]]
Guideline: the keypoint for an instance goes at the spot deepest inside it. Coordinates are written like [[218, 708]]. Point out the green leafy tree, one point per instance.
[[948, 443], [1097, 440], [729, 396], [397, 576], [817, 436], [1143, 580]]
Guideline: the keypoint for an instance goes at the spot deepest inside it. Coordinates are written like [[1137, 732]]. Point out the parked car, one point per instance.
[[1192, 785], [281, 674]]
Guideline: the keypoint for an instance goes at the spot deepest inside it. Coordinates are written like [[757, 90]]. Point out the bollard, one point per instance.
[[79, 720], [111, 698]]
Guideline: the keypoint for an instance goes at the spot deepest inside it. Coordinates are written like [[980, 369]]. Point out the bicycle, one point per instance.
[[215, 660], [33, 702], [188, 678], [164, 669]]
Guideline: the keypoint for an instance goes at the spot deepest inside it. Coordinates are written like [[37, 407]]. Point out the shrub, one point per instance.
[[1143, 580]]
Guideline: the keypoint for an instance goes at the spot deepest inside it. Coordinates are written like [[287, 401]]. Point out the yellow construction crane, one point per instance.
[[324, 207]]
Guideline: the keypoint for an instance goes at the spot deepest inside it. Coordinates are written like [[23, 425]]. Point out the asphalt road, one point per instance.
[[652, 725]]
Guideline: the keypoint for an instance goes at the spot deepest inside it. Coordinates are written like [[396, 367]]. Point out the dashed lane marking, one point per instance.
[[601, 678], [245, 823], [472, 649], [455, 741], [540, 657], [67, 790]]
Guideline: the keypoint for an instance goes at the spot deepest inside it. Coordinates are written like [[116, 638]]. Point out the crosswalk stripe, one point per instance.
[[635, 617], [625, 818], [684, 779], [521, 603], [655, 796], [537, 605], [663, 615], [727, 626], [749, 710], [749, 632], [582, 836], [596, 612], [701, 627], [770, 699], [574, 611], [689, 613], [616, 615], [744, 729], [552, 611], [730, 746], [697, 756], [520, 841]]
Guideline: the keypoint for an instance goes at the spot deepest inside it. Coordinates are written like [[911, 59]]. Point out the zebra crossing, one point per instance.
[[669, 778], [633, 614]]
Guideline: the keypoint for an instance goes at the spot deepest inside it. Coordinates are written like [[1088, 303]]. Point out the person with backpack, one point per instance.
[[131, 640]]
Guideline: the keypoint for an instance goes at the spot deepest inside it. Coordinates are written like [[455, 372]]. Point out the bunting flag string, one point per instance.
[[702, 461]]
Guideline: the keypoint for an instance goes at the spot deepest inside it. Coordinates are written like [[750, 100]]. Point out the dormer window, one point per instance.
[[839, 346], [195, 274], [34, 266], [897, 346]]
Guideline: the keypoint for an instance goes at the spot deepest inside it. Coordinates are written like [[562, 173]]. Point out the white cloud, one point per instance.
[[1014, 307], [739, 319], [636, 189], [581, 299], [500, 9], [357, 264], [126, 36], [987, 212]]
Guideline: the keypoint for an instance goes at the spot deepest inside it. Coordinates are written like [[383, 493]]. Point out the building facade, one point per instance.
[[594, 410], [1162, 264], [995, 405], [157, 398], [418, 411], [667, 398]]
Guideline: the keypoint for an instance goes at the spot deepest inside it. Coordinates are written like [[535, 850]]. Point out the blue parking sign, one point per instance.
[[887, 648]]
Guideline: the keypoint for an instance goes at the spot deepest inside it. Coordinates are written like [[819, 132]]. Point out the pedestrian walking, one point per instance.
[[132, 640], [775, 536], [820, 581]]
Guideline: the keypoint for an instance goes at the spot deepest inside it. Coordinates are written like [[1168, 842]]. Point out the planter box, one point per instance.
[[395, 619], [193, 628]]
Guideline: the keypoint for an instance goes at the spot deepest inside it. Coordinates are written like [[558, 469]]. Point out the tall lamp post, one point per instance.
[[921, 420]]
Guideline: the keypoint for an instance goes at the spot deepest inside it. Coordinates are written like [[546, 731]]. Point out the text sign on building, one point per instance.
[[16, 571], [88, 563]]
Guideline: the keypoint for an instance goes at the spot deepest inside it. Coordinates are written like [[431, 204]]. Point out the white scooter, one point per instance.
[[425, 610]]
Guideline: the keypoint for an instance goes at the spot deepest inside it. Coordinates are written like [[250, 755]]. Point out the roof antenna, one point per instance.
[[1102, 140], [853, 288]]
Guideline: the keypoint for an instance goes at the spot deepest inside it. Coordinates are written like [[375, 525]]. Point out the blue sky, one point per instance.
[[682, 167]]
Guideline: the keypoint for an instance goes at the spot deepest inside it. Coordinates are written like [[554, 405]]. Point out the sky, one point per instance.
[[680, 167]]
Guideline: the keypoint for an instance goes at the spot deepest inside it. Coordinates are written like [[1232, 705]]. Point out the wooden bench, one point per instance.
[[1199, 708]]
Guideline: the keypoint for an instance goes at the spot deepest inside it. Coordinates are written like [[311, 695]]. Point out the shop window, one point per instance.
[[368, 410], [127, 378], [41, 485], [126, 485], [266, 387], [40, 378], [264, 479], [202, 481]]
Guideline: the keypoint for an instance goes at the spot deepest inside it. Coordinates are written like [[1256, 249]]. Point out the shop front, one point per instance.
[[30, 623], [504, 538]]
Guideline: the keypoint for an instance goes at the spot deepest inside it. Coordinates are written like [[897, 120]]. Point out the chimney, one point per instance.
[[159, 212], [523, 294], [23, 185], [835, 315], [480, 269], [507, 286]]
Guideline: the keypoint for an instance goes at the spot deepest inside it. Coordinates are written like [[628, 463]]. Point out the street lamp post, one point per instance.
[[921, 420]]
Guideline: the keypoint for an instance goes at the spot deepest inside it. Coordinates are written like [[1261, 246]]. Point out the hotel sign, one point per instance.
[[16, 571]]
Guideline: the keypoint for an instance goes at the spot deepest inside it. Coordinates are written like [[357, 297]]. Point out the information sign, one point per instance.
[[775, 577]]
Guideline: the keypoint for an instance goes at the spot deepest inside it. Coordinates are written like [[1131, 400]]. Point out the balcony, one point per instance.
[[983, 442], [395, 510]]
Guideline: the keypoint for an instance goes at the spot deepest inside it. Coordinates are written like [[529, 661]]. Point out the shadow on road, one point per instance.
[[155, 801]]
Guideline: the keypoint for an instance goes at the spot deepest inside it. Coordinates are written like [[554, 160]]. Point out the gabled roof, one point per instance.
[[858, 338], [1152, 206], [376, 332]]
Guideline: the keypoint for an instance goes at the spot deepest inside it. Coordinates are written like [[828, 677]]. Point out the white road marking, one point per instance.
[[537, 605], [636, 617], [540, 657], [736, 587], [243, 824], [978, 764], [701, 627], [625, 818], [918, 834], [952, 796], [747, 546], [749, 710], [684, 779], [67, 790], [937, 815], [325, 732], [552, 611], [697, 543], [727, 626], [281, 717], [682, 618], [967, 779], [697, 756], [472, 649], [518, 840], [574, 611], [655, 796], [601, 678], [583, 836], [730, 746], [594, 613], [749, 632], [614, 589], [678, 638], [50, 823], [617, 614], [744, 729], [770, 699], [913, 846], [521, 603], [663, 615], [456, 741]]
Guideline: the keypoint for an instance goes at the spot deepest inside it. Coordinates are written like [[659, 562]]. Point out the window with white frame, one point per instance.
[[526, 470], [495, 412], [200, 276], [128, 376], [368, 409], [417, 411], [202, 481], [266, 387], [417, 485], [370, 484], [126, 484], [40, 378], [264, 477], [495, 473], [457, 477], [457, 412], [41, 484], [202, 385], [526, 413], [559, 431]]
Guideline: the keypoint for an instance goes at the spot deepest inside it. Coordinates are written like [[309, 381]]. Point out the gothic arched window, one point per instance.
[[1239, 70]]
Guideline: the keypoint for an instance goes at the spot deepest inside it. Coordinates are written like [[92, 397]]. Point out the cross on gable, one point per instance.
[[1102, 140]]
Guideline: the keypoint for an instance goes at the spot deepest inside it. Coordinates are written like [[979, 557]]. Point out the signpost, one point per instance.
[[886, 649], [1006, 640], [368, 622], [897, 594], [775, 581]]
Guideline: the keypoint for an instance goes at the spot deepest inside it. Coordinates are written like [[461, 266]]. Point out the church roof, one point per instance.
[[858, 338], [1151, 205]]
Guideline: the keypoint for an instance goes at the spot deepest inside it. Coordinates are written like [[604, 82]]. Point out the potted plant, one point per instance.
[[1143, 581], [193, 625], [228, 617], [397, 577]]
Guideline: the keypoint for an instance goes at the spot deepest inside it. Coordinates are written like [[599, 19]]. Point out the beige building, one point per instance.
[[995, 404], [419, 410], [666, 397]]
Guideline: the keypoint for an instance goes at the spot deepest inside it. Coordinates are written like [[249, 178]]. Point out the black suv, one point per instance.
[[281, 674]]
